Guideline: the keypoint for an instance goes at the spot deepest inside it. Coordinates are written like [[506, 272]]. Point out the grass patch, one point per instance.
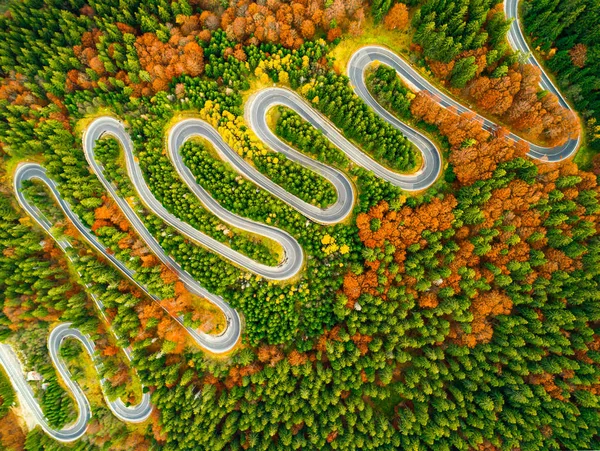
[[10, 164], [584, 156], [83, 371], [273, 116], [82, 124], [256, 85], [398, 41], [212, 318]]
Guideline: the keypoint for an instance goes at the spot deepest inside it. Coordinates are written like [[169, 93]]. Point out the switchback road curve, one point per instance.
[[258, 106], [131, 414], [190, 128], [107, 126], [215, 343], [12, 365], [363, 57], [335, 213]]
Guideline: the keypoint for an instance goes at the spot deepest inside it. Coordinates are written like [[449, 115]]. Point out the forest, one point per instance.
[[474, 60], [566, 34], [463, 316]]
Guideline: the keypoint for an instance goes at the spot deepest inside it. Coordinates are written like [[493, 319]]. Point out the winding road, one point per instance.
[[517, 41], [8, 358], [107, 126], [333, 214], [214, 343], [132, 414], [363, 57], [258, 106], [256, 110]]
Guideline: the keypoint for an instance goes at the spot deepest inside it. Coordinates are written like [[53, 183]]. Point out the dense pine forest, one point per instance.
[[462, 316], [568, 34]]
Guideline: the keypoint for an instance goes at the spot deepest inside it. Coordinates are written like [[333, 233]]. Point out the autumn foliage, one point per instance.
[[484, 308], [162, 57], [109, 215], [12, 437], [519, 230], [288, 23], [15, 92], [19, 311], [516, 100], [475, 152], [578, 55], [397, 17], [401, 229], [181, 55]]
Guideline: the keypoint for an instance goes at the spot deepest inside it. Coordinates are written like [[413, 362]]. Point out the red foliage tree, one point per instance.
[[578, 55], [308, 29], [397, 17]]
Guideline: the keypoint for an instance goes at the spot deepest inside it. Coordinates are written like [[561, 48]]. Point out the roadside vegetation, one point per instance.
[[462, 317], [566, 36]]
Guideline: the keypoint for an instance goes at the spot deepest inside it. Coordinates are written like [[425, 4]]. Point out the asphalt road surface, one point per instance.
[[256, 113], [217, 344], [293, 259], [8, 358], [366, 55]]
